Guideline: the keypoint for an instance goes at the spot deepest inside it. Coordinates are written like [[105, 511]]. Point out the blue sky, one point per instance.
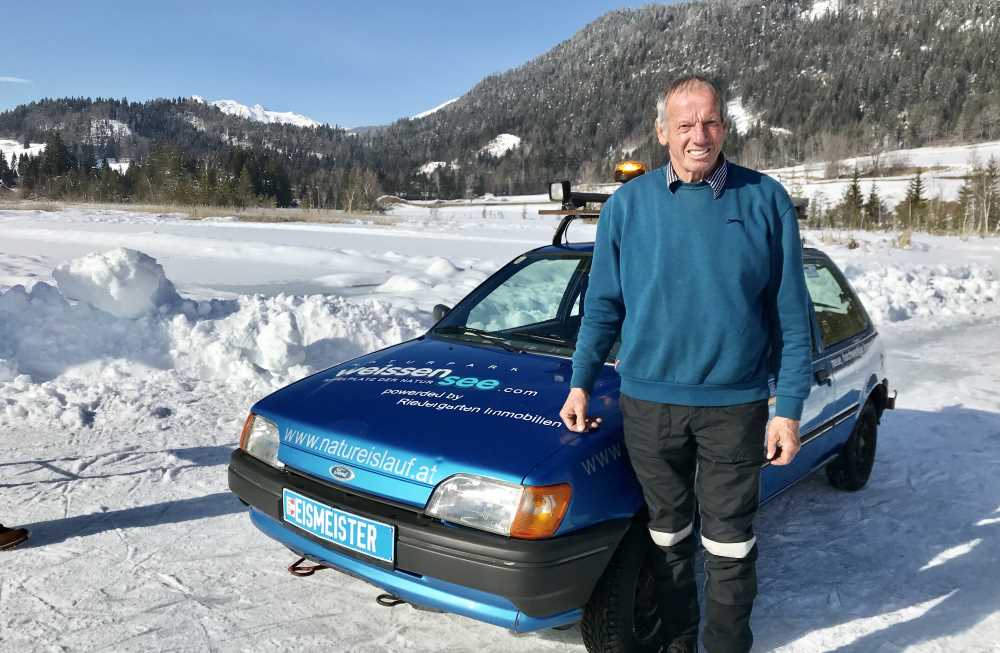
[[347, 63]]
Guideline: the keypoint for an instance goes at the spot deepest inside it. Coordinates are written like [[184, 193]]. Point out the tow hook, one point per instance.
[[300, 569], [391, 601], [388, 600]]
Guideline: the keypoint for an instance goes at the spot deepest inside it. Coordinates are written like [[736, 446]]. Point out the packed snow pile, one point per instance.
[[123, 282], [267, 341], [893, 293], [115, 315]]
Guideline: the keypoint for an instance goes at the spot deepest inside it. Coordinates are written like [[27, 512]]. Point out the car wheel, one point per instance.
[[622, 614], [851, 469]]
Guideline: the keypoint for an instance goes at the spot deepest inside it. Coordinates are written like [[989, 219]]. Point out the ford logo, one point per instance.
[[342, 473]]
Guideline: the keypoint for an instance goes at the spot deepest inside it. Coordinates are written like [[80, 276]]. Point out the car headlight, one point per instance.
[[522, 511], [260, 439]]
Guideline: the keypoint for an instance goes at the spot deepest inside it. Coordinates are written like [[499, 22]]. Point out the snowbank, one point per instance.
[[123, 282], [893, 293], [115, 325], [116, 315]]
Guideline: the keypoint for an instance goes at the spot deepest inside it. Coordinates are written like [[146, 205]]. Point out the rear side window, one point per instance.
[[838, 311]]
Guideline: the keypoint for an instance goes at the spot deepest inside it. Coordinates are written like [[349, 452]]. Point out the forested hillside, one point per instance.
[[820, 80]]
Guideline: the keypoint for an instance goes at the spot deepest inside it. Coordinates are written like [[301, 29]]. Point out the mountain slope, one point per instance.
[[257, 113], [813, 80]]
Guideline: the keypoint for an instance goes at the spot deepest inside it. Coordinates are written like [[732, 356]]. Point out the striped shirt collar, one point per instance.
[[717, 180]]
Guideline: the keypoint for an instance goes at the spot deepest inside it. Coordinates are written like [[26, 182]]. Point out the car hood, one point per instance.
[[399, 421]]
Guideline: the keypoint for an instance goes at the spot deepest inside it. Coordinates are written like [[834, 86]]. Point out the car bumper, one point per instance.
[[523, 585]]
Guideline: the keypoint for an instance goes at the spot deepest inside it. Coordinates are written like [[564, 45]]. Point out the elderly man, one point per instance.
[[11, 537], [698, 266]]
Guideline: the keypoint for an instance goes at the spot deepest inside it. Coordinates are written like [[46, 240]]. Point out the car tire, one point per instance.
[[851, 469], [621, 615]]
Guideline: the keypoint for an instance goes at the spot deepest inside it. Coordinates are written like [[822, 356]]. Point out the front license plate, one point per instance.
[[366, 536]]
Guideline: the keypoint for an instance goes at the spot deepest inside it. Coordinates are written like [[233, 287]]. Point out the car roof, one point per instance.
[[588, 248]]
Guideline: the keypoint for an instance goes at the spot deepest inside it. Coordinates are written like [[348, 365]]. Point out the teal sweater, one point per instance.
[[708, 294]]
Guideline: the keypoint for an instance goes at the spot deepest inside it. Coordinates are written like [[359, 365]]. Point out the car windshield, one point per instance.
[[533, 304]]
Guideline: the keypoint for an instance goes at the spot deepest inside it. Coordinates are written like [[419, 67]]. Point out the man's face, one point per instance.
[[694, 132]]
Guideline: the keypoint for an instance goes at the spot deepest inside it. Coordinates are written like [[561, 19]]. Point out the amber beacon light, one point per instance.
[[627, 170]]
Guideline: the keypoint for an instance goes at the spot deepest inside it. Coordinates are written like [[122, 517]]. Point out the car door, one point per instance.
[[845, 358], [816, 412]]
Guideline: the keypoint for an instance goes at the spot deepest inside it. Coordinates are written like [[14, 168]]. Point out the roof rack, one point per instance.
[[574, 206]]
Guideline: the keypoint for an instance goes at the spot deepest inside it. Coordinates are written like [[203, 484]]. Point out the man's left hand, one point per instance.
[[782, 440]]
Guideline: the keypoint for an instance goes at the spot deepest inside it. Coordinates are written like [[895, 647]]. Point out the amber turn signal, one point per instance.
[[247, 427], [540, 511]]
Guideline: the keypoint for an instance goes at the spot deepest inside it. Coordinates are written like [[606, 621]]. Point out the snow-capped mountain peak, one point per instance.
[[258, 113]]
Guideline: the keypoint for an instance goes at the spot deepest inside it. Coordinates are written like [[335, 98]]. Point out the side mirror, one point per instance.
[[559, 191], [440, 311]]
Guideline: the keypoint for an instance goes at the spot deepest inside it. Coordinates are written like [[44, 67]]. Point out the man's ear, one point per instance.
[[661, 133]]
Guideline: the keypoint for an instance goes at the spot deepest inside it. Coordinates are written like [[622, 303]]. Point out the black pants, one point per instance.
[[714, 454]]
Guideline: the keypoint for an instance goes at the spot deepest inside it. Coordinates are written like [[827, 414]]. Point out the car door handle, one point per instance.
[[823, 375]]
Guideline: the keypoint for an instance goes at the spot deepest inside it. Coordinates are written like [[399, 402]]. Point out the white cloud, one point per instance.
[[14, 80]]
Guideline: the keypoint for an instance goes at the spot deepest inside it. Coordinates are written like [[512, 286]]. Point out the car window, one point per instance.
[[838, 312], [532, 295]]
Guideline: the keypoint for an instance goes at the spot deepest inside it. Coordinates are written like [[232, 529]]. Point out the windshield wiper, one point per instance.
[[552, 340], [485, 335]]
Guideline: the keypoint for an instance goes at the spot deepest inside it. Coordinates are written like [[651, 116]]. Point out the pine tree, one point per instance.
[[853, 203], [4, 172], [914, 204], [57, 160], [244, 190], [873, 208]]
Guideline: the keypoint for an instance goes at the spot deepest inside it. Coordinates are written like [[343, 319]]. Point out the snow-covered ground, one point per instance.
[[501, 144], [9, 147], [944, 172], [125, 378]]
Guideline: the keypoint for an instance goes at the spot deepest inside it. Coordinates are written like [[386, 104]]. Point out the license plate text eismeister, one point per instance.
[[350, 531]]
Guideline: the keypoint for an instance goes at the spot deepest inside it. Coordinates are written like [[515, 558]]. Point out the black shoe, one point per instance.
[[11, 537]]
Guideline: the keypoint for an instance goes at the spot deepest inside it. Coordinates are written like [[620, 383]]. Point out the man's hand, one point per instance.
[[574, 412], [782, 440]]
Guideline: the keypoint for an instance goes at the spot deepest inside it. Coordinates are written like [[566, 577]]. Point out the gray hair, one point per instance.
[[685, 83]]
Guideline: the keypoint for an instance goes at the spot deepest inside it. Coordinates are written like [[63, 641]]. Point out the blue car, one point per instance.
[[438, 469]]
